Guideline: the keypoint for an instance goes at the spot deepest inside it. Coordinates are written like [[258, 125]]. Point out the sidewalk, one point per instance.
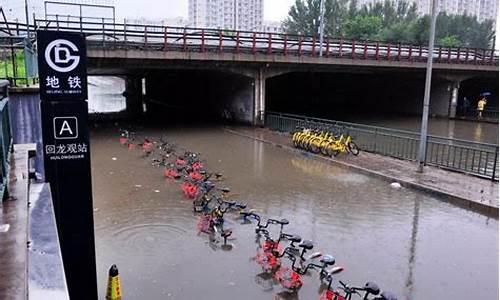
[[477, 194]]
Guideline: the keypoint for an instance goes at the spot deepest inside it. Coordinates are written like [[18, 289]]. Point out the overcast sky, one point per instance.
[[274, 10]]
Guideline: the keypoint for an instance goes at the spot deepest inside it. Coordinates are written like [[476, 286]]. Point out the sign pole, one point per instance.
[[66, 148]]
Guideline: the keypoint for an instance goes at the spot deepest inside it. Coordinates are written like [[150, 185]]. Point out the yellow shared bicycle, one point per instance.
[[324, 141]]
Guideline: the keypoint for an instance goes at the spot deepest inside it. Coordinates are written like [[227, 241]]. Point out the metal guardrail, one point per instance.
[[18, 61], [480, 159], [186, 39], [5, 138]]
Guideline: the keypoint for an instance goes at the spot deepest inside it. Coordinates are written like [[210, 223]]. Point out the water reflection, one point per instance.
[[106, 94], [413, 249]]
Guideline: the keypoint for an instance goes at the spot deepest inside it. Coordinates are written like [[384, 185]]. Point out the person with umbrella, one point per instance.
[[481, 104]]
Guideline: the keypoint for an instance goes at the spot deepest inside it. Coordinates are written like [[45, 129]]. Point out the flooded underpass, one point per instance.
[[408, 242]]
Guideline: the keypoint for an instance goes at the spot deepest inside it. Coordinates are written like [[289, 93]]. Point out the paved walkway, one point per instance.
[[468, 191], [14, 219]]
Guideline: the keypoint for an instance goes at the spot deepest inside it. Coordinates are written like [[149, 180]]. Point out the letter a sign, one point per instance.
[[65, 128]]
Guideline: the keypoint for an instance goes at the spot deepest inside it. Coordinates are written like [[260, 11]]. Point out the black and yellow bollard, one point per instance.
[[113, 291]]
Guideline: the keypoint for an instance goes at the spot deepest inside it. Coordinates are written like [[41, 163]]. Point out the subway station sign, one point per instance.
[[62, 65], [66, 150]]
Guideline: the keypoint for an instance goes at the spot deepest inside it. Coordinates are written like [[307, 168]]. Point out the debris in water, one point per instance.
[[96, 209], [113, 158], [157, 191], [4, 227], [396, 185], [137, 185]]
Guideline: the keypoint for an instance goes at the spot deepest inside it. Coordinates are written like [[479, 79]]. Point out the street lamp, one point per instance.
[[427, 92], [321, 26]]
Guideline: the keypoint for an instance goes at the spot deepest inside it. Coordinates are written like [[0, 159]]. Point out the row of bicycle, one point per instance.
[[284, 258], [320, 139]]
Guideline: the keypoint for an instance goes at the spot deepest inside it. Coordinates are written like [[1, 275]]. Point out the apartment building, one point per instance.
[[227, 14]]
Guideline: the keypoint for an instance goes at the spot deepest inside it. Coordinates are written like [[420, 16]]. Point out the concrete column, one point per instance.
[[259, 98], [454, 99], [133, 96]]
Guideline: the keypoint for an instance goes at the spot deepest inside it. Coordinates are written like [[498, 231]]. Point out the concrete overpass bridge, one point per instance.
[[246, 72]]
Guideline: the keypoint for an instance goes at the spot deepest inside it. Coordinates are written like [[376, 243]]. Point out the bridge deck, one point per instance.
[[203, 43]]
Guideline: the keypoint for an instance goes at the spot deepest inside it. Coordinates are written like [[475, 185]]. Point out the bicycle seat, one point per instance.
[[283, 222], [246, 212], [241, 205], [334, 270], [306, 244], [388, 296], [372, 288], [294, 238], [226, 233], [230, 203], [327, 260]]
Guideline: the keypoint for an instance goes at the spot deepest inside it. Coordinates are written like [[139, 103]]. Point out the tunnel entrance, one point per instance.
[[194, 96], [345, 96], [471, 89]]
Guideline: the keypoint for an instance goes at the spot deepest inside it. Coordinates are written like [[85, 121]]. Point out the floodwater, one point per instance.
[[408, 242], [456, 129]]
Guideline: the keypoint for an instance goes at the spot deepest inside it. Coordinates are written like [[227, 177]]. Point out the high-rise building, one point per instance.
[[482, 9], [227, 14]]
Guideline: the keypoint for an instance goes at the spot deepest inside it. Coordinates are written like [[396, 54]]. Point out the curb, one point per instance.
[[474, 206]]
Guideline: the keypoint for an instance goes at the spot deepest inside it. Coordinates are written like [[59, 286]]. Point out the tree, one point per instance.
[[469, 31], [363, 27], [303, 17], [392, 21]]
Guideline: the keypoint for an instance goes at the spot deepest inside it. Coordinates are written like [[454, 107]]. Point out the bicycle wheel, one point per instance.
[[332, 150], [295, 139], [323, 147], [353, 148], [314, 145]]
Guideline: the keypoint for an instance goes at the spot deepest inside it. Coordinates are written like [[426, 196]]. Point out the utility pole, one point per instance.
[[27, 17], [321, 26], [427, 92]]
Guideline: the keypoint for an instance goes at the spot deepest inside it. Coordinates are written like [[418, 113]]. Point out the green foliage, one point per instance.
[[449, 41], [363, 27], [392, 21], [7, 66]]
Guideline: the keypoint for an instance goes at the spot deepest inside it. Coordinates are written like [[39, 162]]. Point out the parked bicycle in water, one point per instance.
[[283, 257]]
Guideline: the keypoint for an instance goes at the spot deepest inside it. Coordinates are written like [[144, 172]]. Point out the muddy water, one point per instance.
[[456, 129], [408, 242]]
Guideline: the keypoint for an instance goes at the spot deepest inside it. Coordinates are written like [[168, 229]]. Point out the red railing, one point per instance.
[[186, 39]]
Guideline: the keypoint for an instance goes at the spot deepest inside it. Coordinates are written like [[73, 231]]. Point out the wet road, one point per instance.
[[407, 242]]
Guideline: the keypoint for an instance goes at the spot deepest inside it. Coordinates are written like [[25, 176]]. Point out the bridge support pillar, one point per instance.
[[454, 99], [259, 97], [133, 96]]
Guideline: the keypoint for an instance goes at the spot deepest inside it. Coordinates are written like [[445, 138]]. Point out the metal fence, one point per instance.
[[18, 61], [480, 159], [5, 138]]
